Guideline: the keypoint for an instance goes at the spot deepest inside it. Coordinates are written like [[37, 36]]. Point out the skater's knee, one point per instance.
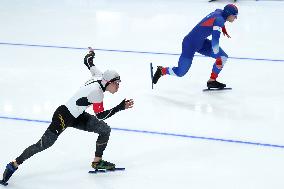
[[179, 71], [184, 65], [222, 53], [105, 130], [47, 140], [223, 57], [224, 60]]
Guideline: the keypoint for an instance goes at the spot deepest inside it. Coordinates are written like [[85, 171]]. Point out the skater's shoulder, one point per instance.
[[96, 96], [218, 16], [219, 21]]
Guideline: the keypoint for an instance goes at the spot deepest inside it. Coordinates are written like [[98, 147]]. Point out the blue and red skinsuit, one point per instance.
[[196, 41]]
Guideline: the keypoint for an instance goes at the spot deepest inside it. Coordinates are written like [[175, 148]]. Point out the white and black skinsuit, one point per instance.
[[72, 114]]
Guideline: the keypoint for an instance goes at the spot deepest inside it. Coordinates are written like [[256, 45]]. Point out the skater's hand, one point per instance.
[[225, 33], [88, 60], [91, 52], [125, 104], [129, 103]]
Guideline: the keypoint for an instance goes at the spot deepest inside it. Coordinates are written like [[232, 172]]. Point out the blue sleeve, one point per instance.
[[217, 28]]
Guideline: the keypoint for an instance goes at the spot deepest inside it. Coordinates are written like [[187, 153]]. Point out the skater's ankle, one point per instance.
[[211, 80], [15, 164], [97, 159]]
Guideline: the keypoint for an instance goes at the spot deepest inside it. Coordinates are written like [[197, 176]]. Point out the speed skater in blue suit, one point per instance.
[[197, 41]]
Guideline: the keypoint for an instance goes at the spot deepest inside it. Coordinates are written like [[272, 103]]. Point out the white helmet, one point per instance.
[[110, 76]]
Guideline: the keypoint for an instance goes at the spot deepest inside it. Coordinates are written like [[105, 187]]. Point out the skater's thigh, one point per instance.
[[206, 49], [188, 49], [185, 59], [91, 123]]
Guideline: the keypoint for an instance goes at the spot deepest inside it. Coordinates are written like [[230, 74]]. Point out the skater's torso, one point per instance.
[[205, 28], [91, 92], [72, 113]]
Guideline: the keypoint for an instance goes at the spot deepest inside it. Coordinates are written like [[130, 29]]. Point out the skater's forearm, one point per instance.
[[108, 113], [125, 104]]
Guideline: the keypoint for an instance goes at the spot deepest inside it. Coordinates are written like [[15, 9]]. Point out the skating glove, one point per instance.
[[88, 60]]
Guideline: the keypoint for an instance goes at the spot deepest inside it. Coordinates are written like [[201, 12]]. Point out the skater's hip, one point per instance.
[[62, 118], [191, 46]]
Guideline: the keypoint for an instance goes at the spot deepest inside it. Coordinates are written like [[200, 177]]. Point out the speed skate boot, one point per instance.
[[159, 72], [215, 85], [10, 169], [103, 165]]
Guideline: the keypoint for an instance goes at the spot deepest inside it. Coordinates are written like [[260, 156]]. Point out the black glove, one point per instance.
[[88, 60]]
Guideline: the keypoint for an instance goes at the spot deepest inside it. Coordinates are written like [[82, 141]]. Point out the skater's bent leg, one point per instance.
[[217, 67], [179, 71], [184, 64], [102, 142], [90, 123], [185, 60], [104, 133], [221, 59], [47, 140]]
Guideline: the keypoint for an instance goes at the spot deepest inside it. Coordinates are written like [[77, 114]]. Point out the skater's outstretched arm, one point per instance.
[[102, 115], [89, 62]]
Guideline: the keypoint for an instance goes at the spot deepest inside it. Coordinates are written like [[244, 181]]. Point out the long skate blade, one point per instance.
[[217, 89], [105, 170], [151, 71]]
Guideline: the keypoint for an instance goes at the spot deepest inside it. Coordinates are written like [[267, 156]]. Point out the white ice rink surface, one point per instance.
[[219, 140]]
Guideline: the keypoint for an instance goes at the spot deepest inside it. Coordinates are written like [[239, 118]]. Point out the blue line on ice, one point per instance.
[[127, 51], [165, 134]]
